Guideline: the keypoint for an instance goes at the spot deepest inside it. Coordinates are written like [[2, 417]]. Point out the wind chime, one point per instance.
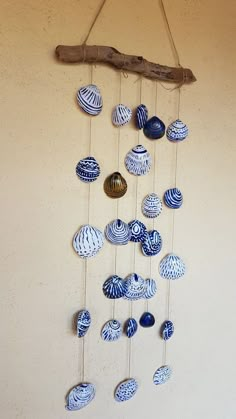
[[89, 240]]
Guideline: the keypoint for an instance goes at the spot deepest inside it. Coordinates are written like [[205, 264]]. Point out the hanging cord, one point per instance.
[[94, 21]]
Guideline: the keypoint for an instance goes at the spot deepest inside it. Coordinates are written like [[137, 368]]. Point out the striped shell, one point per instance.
[[126, 390], [152, 243], [111, 330], [138, 161], [151, 206], [88, 241], [162, 375], [135, 287], [118, 232], [177, 131], [131, 327], [115, 185], [173, 198], [89, 99], [138, 231], [83, 322], [88, 169], [141, 116], [80, 396], [114, 287], [172, 267], [151, 288], [167, 330], [121, 115], [154, 128]]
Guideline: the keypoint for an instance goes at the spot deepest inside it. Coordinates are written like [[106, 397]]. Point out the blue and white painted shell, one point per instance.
[[151, 288], [167, 330], [121, 115], [152, 243], [88, 169], [118, 232], [154, 128], [177, 131], [138, 161], [173, 198], [162, 375], [126, 390], [88, 241], [138, 231], [80, 396], [83, 323], [114, 287], [135, 287], [172, 267], [151, 206], [141, 116], [89, 99], [131, 327], [111, 330]]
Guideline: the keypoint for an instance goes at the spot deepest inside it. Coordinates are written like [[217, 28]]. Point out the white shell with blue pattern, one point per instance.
[[118, 232], [152, 243], [177, 131], [126, 390], [89, 99], [114, 287], [80, 396], [138, 161], [83, 322], [172, 267], [88, 241], [121, 115], [135, 287], [167, 329], [88, 169], [173, 198], [151, 288], [162, 375], [151, 206], [138, 230], [111, 330]]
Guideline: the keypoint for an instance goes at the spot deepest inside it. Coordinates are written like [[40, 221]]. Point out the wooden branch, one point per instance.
[[135, 64]]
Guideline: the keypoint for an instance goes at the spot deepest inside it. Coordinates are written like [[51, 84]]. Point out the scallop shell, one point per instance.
[[147, 319], [118, 232], [121, 115], [138, 161], [162, 375], [151, 288], [173, 198], [83, 322], [126, 390], [115, 185], [131, 327], [172, 267], [151, 206], [167, 330], [135, 287], [89, 99], [88, 241], [154, 128], [111, 330], [80, 396], [152, 243], [138, 231], [114, 287], [177, 131], [141, 116], [88, 169]]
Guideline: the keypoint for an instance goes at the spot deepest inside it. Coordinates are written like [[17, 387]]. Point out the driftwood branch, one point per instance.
[[135, 64]]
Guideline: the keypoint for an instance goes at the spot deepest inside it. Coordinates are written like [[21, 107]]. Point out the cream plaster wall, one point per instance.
[[43, 135]]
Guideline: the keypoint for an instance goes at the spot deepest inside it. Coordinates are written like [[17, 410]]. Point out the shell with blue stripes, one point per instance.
[[177, 131], [111, 330], [131, 327], [138, 161], [88, 169], [151, 288], [83, 322], [89, 99], [80, 396], [121, 115], [167, 330], [88, 241], [135, 287], [118, 232], [114, 287], [151, 206], [173, 198], [141, 116]]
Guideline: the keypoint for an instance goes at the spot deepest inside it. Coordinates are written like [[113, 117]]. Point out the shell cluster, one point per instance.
[[177, 131], [118, 232], [111, 330], [151, 206], [133, 287], [121, 115], [162, 375], [152, 243], [88, 241], [173, 198], [115, 186], [89, 99], [172, 267], [126, 390], [80, 396], [138, 161], [83, 323], [88, 169]]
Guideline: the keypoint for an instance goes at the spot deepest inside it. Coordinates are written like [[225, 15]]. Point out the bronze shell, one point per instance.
[[115, 185]]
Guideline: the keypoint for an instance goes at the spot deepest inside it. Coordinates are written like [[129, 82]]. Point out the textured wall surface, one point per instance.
[[43, 135]]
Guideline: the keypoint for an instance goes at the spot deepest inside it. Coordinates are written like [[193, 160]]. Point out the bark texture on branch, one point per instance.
[[133, 63]]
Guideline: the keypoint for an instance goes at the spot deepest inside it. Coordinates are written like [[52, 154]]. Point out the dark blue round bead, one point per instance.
[[147, 320]]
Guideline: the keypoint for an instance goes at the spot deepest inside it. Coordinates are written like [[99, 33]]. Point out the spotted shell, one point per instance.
[[172, 267], [177, 131], [80, 396], [135, 287], [89, 99], [151, 206], [83, 322], [138, 230], [111, 330], [88, 241], [162, 375], [131, 327], [118, 232], [121, 115], [114, 287], [126, 390], [115, 186], [154, 128], [152, 243], [167, 330], [151, 288], [141, 116], [138, 161], [173, 198], [88, 169]]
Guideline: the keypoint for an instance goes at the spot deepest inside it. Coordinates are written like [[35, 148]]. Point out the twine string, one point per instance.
[[94, 21]]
